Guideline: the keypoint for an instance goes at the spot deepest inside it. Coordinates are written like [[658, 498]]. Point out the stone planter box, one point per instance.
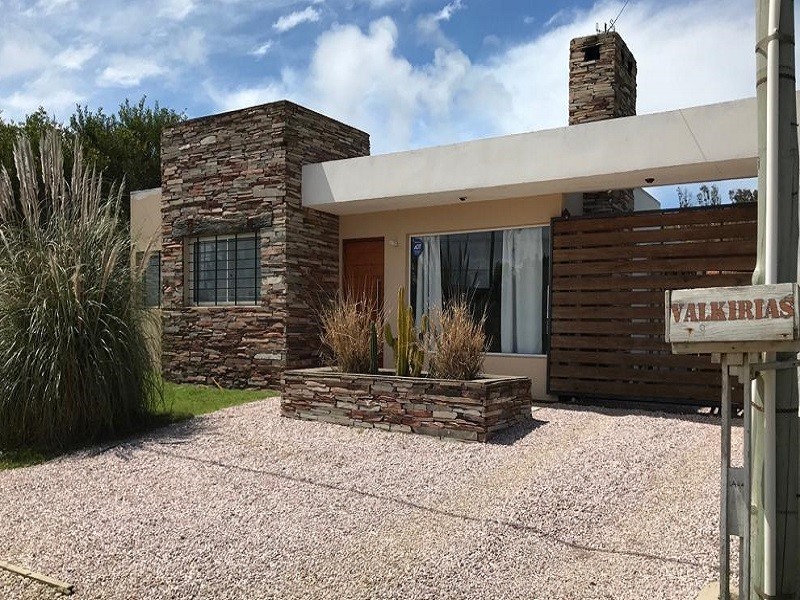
[[466, 410]]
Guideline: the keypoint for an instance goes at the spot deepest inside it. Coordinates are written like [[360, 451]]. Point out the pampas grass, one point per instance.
[[75, 361]]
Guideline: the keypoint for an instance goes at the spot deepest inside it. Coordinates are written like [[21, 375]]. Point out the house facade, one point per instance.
[[241, 261], [265, 212]]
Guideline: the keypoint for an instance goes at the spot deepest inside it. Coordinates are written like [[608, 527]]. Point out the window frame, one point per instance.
[[192, 250], [548, 305]]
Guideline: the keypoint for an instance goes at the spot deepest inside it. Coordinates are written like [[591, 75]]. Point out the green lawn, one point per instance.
[[20, 458], [181, 402]]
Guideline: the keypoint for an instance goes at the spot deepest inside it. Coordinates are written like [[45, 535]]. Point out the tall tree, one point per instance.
[[126, 144], [685, 199], [743, 195], [708, 195]]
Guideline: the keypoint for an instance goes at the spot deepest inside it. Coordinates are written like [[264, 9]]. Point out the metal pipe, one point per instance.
[[773, 146], [771, 276]]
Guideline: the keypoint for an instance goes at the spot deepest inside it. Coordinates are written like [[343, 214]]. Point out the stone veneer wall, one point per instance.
[[467, 410], [608, 203], [600, 89], [241, 171]]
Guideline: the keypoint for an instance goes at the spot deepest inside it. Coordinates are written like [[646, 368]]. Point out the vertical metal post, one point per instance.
[[725, 463], [216, 267], [235, 269], [196, 272], [744, 542]]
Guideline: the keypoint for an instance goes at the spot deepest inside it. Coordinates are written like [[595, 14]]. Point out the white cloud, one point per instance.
[[358, 77], [262, 49], [74, 57], [429, 24], [20, 54], [382, 4], [448, 10], [48, 7], [80, 41], [191, 48], [560, 17], [176, 9], [128, 71], [243, 97], [51, 90], [292, 20]]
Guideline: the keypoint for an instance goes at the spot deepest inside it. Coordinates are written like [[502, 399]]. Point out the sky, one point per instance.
[[412, 73]]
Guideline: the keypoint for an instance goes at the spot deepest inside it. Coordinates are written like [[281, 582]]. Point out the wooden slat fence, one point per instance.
[[608, 280]]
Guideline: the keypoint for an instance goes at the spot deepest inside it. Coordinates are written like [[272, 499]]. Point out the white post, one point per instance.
[[771, 276]]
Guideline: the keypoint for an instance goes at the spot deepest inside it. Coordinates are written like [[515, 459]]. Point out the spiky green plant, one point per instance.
[[409, 353], [75, 361]]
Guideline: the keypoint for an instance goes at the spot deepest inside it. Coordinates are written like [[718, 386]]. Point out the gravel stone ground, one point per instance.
[[587, 504]]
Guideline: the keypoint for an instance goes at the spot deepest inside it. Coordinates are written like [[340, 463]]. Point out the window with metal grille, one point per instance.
[[151, 278], [225, 269]]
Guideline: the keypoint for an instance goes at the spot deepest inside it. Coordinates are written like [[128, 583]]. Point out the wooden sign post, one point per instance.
[[737, 325]]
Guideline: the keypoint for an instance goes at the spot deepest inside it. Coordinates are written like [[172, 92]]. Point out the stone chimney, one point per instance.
[[602, 85]]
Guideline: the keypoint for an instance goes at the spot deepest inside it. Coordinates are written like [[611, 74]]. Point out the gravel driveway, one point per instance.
[[243, 504]]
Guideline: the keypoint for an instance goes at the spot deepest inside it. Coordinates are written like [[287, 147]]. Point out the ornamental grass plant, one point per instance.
[[352, 333], [456, 342], [75, 358]]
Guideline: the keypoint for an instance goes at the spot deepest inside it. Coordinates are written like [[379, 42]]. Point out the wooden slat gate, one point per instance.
[[608, 279]]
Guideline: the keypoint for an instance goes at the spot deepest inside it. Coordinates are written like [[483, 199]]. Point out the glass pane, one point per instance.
[[246, 269], [206, 271], [522, 294], [245, 247], [472, 266], [152, 280], [222, 270]]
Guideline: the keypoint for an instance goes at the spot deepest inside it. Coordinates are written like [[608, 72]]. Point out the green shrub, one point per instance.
[[349, 325], [456, 342], [75, 362]]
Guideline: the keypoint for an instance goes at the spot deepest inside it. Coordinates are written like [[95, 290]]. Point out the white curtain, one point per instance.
[[521, 294], [429, 277]]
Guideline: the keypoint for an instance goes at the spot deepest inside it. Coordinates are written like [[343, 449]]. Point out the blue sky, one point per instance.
[[413, 73]]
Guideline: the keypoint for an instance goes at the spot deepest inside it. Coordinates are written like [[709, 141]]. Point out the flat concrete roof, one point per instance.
[[703, 143]]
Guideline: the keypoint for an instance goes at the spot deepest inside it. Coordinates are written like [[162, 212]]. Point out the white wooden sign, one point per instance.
[[730, 319]]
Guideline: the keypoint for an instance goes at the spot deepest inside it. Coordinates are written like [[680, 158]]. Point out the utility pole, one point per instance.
[[774, 551]]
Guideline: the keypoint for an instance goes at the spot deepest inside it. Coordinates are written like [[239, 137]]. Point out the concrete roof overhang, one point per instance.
[[703, 143]]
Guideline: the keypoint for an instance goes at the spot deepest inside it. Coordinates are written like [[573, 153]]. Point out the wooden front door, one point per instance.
[[363, 269]]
